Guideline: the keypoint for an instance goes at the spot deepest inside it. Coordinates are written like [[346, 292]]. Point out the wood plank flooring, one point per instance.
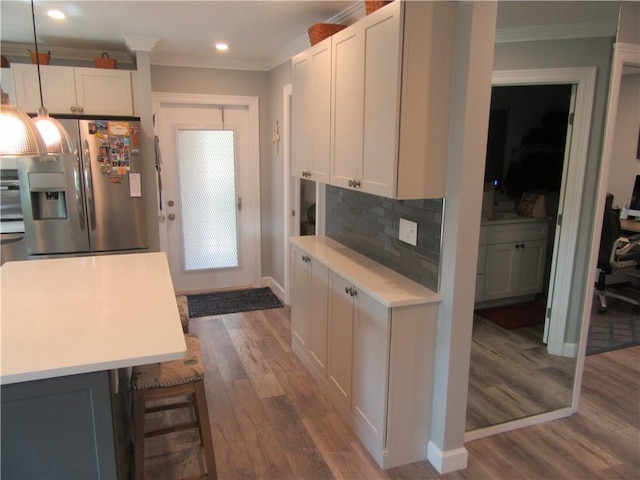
[[270, 420], [511, 375]]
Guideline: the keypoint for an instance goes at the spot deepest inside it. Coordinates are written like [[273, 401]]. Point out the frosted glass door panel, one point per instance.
[[207, 175]]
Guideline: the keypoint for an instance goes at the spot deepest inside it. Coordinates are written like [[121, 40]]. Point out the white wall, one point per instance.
[[273, 232], [624, 164]]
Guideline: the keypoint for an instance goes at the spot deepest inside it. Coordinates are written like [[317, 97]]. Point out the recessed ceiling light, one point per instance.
[[57, 14], [222, 46]]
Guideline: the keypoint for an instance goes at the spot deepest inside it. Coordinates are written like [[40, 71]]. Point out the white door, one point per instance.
[[210, 194]]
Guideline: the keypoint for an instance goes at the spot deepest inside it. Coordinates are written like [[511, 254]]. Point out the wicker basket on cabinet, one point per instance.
[[371, 5], [320, 31]]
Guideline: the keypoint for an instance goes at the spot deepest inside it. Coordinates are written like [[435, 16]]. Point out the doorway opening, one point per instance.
[[528, 146]]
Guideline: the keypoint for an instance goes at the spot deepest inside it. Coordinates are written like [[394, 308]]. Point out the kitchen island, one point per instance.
[[71, 328]]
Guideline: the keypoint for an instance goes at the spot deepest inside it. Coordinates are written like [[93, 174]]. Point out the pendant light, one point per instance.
[[56, 138], [19, 137]]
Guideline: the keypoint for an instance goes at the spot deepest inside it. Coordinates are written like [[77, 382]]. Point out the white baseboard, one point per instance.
[[570, 350], [275, 287], [449, 461]]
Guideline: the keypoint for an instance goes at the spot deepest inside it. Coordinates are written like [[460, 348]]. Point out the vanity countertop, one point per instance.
[[509, 218], [78, 315]]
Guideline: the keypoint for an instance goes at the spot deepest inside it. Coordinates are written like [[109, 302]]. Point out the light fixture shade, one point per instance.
[[56, 138], [18, 134]]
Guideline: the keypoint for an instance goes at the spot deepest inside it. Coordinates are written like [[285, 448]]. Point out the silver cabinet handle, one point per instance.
[[171, 216]]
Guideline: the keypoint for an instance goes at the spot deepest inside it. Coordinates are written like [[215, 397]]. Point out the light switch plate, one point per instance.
[[408, 232]]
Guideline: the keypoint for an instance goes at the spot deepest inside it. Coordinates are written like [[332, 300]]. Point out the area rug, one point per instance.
[[219, 303], [618, 327], [517, 315]]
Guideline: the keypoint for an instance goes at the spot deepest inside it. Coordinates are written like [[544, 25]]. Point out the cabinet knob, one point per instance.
[[73, 109], [80, 109], [350, 183]]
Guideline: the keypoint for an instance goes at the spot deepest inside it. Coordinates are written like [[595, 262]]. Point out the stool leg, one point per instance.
[[202, 414], [138, 434]]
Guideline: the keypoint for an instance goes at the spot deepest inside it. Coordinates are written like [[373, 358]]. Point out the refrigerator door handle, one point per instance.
[[88, 182], [77, 177]]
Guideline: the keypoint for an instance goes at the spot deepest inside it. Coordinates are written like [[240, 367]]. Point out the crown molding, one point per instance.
[[348, 16], [557, 32], [65, 53], [139, 44]]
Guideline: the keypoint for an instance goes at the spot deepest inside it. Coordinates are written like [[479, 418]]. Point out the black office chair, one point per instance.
[[615, 252]]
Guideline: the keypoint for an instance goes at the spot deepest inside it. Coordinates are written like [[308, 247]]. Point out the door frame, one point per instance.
[[291, 190], [584, 78], [253, 162]]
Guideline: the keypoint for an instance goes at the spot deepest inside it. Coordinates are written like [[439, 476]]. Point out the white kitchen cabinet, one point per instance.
[[515, 259], [311, 112], [73, 90], [6, 82], [309, 312], [391, 93], [341, 311], [372, 325], [380, 344]]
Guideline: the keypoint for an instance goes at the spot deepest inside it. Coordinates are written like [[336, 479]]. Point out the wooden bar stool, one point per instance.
[[183, 310], [159, 381]]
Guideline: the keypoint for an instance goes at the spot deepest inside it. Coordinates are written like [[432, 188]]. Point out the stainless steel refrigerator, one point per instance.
[[88, 202]]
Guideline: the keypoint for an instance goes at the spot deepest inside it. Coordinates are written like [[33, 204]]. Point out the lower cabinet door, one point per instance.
[[340, 337], [301, 297], [318, 306], [370, 363]]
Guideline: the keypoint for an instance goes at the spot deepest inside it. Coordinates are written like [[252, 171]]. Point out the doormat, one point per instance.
[[618, 327], [233, 301], [517, 315]]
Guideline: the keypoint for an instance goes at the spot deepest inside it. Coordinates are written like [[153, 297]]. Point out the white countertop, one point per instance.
[[76, 315], [387, 286]]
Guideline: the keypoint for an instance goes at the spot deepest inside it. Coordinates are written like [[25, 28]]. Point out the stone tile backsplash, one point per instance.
[[369, 225]]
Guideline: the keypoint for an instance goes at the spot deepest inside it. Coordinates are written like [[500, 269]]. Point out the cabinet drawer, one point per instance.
[[517, 232]]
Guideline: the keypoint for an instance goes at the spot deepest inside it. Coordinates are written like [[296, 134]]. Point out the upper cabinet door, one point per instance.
[[320, 103], [73, 91], [348, 101], [311, 112], [58, 88], [382, 54], [101, 91], [300, 114]]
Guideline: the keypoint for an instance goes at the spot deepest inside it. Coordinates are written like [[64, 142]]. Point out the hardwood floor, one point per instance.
[[271, 421]]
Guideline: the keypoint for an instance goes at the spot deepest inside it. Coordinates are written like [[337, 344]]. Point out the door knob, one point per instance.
[[171, 216]]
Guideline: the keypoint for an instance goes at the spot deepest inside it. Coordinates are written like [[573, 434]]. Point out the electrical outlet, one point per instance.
[[408, 232]]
